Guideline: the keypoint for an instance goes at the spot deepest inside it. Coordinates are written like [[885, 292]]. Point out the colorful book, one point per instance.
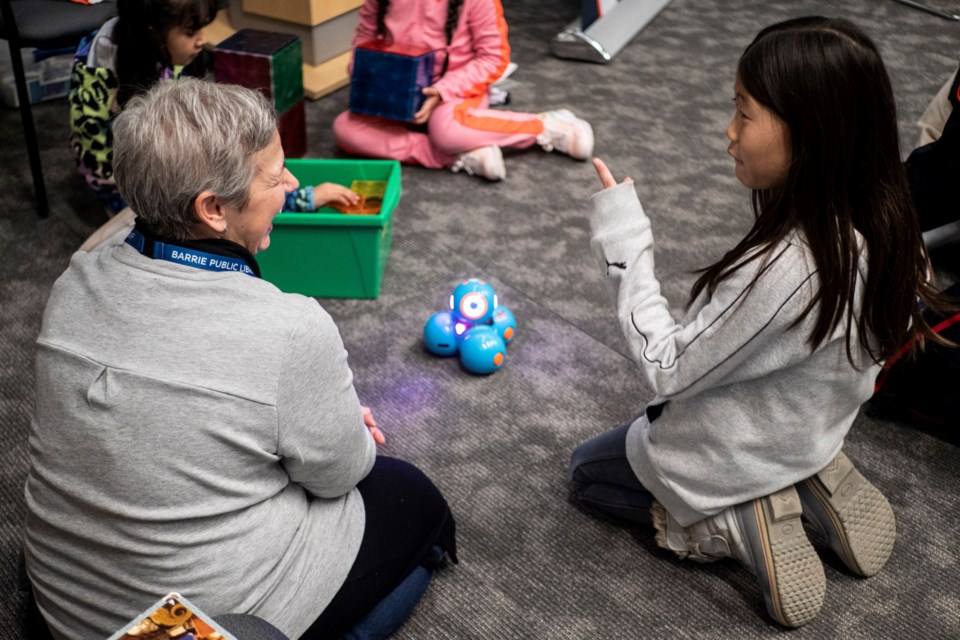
[[173, 616]]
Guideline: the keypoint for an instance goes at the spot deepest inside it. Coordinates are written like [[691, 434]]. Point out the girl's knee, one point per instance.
[[396, 493], [445, 133]]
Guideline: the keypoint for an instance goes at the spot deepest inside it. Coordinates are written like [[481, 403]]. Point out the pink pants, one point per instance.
[[454, 127]]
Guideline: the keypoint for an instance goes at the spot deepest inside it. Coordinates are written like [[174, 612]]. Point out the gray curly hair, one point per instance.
[[182, 138]]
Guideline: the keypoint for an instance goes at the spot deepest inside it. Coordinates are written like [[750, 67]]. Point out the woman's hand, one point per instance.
[[606, 178], [371, 424], [433, 99], [329, 192]]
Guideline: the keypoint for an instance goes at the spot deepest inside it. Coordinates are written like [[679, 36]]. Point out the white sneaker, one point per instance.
[[566, 133], [486, 162]]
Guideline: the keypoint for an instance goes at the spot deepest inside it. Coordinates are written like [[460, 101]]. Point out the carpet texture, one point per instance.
[[532, 566]]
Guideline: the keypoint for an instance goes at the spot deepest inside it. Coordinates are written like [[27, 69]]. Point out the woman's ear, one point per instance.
[[210, 212]]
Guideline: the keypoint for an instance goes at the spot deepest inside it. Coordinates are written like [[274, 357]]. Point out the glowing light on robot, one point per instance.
[[473, 306], [495, 304], [460, 328], [451, 301]]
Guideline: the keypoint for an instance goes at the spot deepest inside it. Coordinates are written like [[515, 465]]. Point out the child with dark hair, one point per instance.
[[149, 41], [462, 133], [759, 383]]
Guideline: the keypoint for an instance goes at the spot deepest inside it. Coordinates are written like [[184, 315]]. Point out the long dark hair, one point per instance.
[[453, 17], [825, 79], [141, 34]]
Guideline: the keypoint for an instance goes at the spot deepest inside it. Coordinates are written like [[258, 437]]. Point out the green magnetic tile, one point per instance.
[[287, 69]]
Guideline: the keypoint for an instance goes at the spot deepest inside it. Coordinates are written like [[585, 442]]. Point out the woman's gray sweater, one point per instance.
[[195, 431]]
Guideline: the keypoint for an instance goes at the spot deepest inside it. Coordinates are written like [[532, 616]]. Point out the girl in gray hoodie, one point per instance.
[[783, 337]]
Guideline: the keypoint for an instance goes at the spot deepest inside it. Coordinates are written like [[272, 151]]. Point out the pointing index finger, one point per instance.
[[606, 178]]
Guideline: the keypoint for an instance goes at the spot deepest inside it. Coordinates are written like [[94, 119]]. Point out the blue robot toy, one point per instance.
[[476, 327]]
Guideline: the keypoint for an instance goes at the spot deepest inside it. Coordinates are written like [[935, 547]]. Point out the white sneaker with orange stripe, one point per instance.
[[566, 133], [486, 162]]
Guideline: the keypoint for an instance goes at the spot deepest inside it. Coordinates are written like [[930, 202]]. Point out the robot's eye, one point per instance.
[[473, 306]]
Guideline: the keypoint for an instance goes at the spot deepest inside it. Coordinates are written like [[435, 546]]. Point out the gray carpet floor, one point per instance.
[[532, 565]]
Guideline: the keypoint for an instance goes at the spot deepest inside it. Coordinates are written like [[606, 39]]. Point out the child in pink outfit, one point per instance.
[[470, 38]]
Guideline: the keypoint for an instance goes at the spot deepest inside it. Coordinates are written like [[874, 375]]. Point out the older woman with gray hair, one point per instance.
[[196, 429]]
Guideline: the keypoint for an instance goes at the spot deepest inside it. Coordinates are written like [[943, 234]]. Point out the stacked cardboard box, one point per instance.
[[325, 27]]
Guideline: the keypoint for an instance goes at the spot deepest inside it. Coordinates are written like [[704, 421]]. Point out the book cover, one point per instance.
[[173, 616]]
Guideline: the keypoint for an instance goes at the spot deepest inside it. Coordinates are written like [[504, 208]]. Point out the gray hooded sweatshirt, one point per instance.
[[750, 408]]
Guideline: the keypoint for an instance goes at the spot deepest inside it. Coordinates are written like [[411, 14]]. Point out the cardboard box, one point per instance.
[[305, 12], [329, 254], [321, 42], [319, 79]]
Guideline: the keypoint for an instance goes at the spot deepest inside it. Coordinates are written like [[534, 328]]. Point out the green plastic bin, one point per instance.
[[328, 254]]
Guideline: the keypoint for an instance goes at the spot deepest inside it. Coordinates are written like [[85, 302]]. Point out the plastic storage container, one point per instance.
[[47, 72], [328, 254]]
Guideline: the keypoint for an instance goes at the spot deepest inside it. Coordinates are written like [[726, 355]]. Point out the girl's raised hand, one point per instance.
[[606, 178]]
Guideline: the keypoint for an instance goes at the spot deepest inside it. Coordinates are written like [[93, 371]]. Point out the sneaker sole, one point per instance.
[[787, 567], [852, 514]]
